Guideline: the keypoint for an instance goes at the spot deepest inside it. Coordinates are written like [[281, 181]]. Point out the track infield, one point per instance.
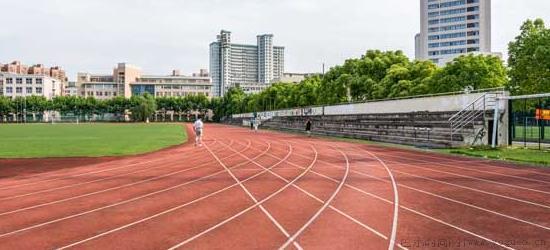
[[270, 190]]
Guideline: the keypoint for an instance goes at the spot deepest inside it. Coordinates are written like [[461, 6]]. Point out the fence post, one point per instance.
[[495, 123]]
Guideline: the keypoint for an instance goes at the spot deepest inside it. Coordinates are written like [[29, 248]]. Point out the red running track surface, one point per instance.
[[269, 190]]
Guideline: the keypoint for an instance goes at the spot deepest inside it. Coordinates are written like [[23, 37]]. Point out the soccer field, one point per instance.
[[86, 140]]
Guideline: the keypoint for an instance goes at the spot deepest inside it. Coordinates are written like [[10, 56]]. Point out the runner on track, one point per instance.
[[197, 127], [308, 127]]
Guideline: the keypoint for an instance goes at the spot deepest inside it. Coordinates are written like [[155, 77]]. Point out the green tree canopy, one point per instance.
[[529, 59]]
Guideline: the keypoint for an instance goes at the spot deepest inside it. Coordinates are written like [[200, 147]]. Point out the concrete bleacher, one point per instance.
[[422, 121], [419, 129]]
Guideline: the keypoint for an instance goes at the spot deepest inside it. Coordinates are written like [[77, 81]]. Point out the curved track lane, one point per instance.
[[271, 190]]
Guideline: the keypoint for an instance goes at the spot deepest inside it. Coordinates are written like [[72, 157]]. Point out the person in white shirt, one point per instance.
[[197, 127]]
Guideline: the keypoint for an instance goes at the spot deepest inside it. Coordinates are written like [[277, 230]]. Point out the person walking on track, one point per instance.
[[308, 127], [198, 127]]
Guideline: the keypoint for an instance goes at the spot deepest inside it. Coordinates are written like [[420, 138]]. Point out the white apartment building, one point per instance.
[[450, 28], [232, 63], [173, 86], [24, 85]]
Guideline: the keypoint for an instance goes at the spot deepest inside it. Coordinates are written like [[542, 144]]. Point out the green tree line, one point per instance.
[[140, 107]]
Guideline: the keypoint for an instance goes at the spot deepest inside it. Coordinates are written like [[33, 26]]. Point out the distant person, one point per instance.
[[251, 124], [308, 127], [256, 124], [198, 127]]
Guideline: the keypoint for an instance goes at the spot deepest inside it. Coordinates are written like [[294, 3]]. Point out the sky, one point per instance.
[[162, 35]]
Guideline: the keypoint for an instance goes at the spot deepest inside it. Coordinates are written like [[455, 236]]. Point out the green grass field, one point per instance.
[[530, 132], [515, 154], [86, 140]]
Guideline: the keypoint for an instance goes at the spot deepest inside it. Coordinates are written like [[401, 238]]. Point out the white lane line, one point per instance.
[[101, 191], [273, 220], [87, 173], [171, 209], [82, 183], [484, 163], [464, 187], [414, 211], [459, 167], [452, 200], [459, 202], [249, 208], [325, 205], [113, 205], [395, 199], [339, 211], [408, 209], [474, 189]]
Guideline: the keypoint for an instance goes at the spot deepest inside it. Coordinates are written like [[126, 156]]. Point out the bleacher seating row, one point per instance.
[[423, 129]]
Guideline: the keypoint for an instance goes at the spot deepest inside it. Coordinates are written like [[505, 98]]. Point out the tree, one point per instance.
[[476, 71], [143, 107], [529, 59]]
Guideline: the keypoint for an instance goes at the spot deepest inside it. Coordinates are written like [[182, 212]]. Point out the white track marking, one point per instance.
[[458, 202], [251, 207], [325, 205], [116, 204], [455, 227], [413, 211], [464, 187], [395, 200], [273, 220], [474, 189], [485, 163], [449, 199], [101, 191], [81, 183], [409, 209], [481, 179], [85, 173], [464, 168], [167, 211]]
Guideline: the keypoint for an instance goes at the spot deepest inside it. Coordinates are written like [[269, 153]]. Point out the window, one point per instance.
[[9, 80], [452, 35], [473, 49], [19, 90], [473, 17], [473, 25], [453, 3], [28, 81], [473, 33], [453, 19], [9, 90], [38, 80], [19, 80], [38, 90], [29, 90]]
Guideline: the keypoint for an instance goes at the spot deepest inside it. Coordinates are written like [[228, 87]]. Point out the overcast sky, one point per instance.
[[161, 35]]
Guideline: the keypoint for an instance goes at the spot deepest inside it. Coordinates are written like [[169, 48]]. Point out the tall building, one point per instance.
[[234, 64], [450, 28]]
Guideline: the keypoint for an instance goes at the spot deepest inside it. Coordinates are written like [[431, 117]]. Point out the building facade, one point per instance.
[[127, 80], [108, 86], [450, 28], [24, 85], [232, 64], [173, 85]]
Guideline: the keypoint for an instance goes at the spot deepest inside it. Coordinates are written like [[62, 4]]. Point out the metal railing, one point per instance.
[[472, 112]]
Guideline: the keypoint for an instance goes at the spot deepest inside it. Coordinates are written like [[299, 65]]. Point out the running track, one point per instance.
[[271, 190]]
